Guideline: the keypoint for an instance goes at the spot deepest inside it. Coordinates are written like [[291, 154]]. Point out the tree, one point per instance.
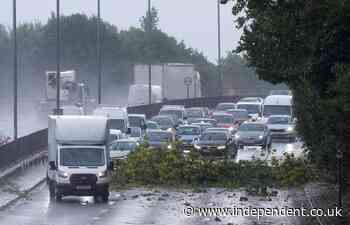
[[303, 44]]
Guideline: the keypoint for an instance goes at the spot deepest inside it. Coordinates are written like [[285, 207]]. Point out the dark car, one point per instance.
[[164, 122], [253, 135], [214, 143], [159, 139], [203, 126], [187, 133], [152, 125]]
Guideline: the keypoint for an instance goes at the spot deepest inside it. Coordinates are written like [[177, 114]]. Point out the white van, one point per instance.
[[117, 117], [278, 105], [78, 157]]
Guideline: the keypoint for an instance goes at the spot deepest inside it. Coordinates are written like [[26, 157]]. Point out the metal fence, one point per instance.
[[23, 148], [36, 142]]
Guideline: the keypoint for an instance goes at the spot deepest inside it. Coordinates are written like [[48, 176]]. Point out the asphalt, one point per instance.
[[135, 206]]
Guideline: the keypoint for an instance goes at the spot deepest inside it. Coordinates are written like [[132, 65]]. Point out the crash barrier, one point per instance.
[[35, 142], [22, 148], [210, 102]]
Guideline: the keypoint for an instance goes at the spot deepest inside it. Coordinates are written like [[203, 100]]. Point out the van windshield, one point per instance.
[[82, 157], [277, 110], [135, 121], [116, 124]]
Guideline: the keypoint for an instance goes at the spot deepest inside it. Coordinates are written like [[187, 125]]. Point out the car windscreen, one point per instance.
[[82, 157], [277, 110], [223, 119], [123, 146], [251, 108], [251, 127], [278, 120], [214, 136], [152, 126], [163, 121], [159, 136], [116, 124], [188, 131], [177, 113], [224, 107], [135, 121], [197, 113]]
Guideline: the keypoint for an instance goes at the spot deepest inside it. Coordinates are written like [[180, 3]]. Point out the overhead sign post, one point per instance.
[[188, 82]]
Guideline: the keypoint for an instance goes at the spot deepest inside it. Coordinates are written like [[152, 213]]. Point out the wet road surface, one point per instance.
[[142, 206]]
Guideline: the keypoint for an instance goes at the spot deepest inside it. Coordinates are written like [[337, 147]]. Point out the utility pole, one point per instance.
[[58, 110], [219, 50], [149, 62], [15, 73], [99, 51]]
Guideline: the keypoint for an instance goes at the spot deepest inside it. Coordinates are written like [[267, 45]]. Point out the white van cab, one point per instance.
[[117, 117], [277, 105]]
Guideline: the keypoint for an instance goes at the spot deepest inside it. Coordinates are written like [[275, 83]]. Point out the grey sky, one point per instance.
[[194, 21]]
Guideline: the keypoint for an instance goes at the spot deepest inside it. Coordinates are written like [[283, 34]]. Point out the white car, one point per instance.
[[282, 127], [120, 149]]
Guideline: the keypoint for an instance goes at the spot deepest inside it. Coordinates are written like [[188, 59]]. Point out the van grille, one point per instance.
[[83, 179]]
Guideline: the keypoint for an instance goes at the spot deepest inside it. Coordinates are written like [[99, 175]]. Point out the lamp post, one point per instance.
[[58, 110], [219, 48], [99, 51], [149, 63], [15, 73]]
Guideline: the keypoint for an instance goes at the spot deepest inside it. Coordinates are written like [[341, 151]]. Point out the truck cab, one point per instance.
[[78, 157]]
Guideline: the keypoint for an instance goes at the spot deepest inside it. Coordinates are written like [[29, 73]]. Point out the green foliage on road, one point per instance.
[[305, 44], [172, 168]]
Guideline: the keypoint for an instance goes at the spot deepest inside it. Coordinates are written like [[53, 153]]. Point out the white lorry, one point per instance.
[[78, 157], [175, 79]]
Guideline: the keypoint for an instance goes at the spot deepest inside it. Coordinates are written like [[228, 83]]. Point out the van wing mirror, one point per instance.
[[52, 165], [111, 165], [128, 130]]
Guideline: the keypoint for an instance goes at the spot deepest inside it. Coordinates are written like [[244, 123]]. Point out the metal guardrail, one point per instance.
[[26, 146], [23, 148]]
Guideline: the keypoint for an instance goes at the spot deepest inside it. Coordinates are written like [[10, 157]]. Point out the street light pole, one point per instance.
[[58, 110], [99, 51], [149, 63], [219, 49], [15, 73]]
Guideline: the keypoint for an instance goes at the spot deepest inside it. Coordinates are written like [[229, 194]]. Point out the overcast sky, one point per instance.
[[194, 21]]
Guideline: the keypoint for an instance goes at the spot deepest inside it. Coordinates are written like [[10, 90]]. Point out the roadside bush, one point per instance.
[[171, 168]]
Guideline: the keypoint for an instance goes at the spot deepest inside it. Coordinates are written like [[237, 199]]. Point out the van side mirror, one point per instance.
[[128, 130], [144, 126], [52, 165]]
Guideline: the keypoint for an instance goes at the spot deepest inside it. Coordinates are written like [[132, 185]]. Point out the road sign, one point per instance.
[[188, 81]]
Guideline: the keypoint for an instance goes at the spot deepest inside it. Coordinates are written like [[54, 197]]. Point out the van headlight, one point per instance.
[[261, 136], [290, 129], [63, 174], [197, 147], [102, 174], [221, 147]]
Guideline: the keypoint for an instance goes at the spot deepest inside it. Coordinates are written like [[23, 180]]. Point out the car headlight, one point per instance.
[[63, 174], [222, 147], [102, 174], [261, 137], [197, 147], [169, 146], [169, 130], [237, 136], [230, 129], [290, 129]]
